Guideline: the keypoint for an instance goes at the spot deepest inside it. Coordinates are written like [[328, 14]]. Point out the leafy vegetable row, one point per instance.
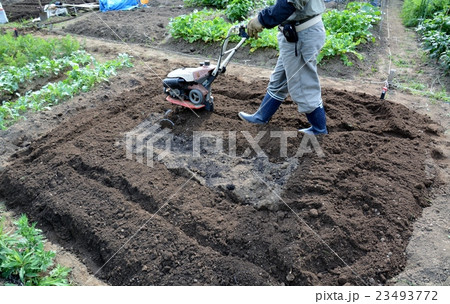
[[79, 79], [415, 11], [12, 76], [436, 38], [234, 10], [18, 51], [433, 23], [345, 29]]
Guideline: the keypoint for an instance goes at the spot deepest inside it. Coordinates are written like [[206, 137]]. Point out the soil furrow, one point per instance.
[[120, 219], [360, 198], [107, 179], [208, 228]]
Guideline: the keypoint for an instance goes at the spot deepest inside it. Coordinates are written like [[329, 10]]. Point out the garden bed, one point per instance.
[[345, 218], [361, 198]]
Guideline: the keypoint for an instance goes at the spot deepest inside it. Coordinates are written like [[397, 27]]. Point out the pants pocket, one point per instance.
[[311, 42]]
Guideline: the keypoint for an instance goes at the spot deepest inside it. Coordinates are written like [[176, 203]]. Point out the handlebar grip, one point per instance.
[[242, 32]]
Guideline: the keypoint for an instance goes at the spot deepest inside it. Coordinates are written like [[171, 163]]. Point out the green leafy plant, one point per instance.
[[206, 25], [237, 10], [436, 38], [223, 3], [414, 11], [27, 48], [214, 3], [23, 259], [267, 39], [79, 79], [345, 29], [11, 76]]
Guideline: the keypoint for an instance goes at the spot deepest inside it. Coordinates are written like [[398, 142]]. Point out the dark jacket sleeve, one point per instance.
[[274, 15]]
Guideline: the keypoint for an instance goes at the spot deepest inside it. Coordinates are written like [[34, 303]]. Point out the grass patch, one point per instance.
[[420, 90], [401, 63]]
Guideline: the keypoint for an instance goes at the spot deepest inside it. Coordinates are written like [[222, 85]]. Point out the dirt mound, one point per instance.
[[346, 218]]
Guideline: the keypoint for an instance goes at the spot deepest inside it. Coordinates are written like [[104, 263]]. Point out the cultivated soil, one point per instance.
[[341, 214], [361, 198]]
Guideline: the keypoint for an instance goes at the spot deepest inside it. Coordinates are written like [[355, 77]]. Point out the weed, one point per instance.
[[401, 63], [420, 90], [17, 24], [417, 86]]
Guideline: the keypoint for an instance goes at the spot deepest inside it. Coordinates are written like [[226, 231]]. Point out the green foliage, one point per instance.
[[436, 38], [11, 76], [345, 29], [214, 3], [79, 79], [223, 3], [206, 25], [357, 19], [238, 10], [24, 49], [24, 23], [235, 10], [414, 11], [23, 258], [264, 3], [415, 89], [267, 39], [339, 44], [209, 26]]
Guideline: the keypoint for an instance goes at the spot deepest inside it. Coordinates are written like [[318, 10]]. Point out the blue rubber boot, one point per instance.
[[318, 122], [265, 112]]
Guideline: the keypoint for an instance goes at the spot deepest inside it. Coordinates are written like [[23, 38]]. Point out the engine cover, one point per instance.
[[175, 83], [192, 74]]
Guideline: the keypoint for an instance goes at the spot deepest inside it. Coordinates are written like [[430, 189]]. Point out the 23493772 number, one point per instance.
[[406, 295]]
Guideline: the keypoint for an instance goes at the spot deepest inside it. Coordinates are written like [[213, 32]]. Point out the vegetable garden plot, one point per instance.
[[27, 62], [196, 30], [361, 198]]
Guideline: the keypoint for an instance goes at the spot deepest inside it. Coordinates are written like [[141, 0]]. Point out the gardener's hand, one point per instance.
[[254, 27]]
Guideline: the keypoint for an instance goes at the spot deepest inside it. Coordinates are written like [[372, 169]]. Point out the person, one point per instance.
[[296, 70]]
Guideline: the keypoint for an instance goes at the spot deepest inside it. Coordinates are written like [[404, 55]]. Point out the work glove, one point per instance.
[[254, 27]]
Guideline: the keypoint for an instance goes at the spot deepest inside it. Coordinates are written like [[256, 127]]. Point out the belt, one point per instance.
[[304, 20], [308, 23]]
